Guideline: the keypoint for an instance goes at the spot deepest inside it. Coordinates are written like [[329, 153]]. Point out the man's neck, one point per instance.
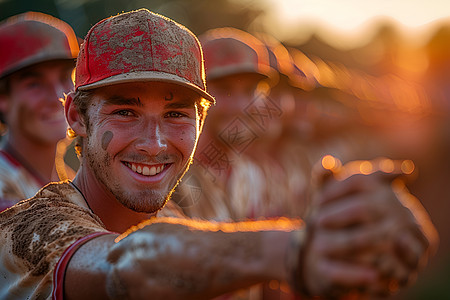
[[102, 202], [37, 159]]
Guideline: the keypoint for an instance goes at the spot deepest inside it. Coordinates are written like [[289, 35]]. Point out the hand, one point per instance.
[[362, 237]]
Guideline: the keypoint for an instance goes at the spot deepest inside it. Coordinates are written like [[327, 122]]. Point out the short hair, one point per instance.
[[4, 86]]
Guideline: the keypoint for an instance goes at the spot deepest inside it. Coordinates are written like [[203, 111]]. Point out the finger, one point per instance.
[[335, 190], [351, 211], [347, 243], [392, 275], [411, 251], [339, 278], [390, 267], [425, 230]]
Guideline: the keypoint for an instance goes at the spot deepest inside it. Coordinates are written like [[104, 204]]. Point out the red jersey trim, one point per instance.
[[18, 165], [10, 158], [60, 269]]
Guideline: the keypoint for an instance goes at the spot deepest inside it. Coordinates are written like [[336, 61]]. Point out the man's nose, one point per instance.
[[152, 139]]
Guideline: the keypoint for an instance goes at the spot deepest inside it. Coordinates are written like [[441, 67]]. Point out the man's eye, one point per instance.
[[34, 84], [124, 113], [174, 114]]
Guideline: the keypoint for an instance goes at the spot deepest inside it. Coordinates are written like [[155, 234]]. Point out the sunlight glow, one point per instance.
[[347, 22], [366, 167], [349, 14]]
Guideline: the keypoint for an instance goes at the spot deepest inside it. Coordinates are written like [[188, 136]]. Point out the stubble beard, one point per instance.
[[145, 201]]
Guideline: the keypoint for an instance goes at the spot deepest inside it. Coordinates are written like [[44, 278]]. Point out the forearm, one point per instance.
[[198, 259]]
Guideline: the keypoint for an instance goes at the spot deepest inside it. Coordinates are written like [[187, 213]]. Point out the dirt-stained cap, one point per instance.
[[140, 46], [32, 38], [230, 51]]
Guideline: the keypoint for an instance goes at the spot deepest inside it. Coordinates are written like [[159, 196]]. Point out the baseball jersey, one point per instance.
[[16, 183], [39, 235]]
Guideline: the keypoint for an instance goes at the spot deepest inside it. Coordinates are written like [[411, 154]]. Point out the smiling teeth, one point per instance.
[[146, 171]]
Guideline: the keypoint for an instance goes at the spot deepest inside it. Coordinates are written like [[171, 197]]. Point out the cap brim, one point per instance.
[[31, 62], [229, 70], [146, 76]]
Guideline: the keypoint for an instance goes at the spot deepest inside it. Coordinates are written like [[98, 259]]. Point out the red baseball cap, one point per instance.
[[32, 38], [140, 46]]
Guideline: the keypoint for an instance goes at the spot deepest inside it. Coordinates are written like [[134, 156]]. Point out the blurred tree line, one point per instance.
[[387, 52], [197, 15]]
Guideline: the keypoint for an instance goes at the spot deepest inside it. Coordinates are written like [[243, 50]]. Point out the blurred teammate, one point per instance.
[[37, 58], [236, 63]]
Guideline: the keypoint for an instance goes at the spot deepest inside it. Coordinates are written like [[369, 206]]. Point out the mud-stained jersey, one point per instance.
[[35, 233]]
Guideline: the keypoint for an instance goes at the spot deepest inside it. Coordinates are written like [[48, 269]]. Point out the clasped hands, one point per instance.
[[366, 235]]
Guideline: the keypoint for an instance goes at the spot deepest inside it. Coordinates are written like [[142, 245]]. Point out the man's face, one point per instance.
[[34, 110], [237, 96], [233, 94], [140, 140]]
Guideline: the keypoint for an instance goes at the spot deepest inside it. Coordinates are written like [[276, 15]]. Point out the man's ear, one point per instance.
[[73, 118]]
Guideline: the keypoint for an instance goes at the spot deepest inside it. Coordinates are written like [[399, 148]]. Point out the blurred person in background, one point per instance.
[[37, 58], [235, 64], [329, 120], [289, 150]]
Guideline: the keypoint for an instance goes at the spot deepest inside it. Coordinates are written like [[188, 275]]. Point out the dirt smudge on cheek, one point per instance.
[[106, 139]]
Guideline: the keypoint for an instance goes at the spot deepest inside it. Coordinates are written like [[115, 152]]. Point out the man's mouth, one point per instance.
[[146, 170]]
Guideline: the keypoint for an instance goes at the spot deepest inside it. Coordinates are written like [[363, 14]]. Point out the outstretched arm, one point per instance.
[[180, 259], [360, 236]]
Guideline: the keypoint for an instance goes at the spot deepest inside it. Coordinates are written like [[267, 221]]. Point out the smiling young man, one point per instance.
[[137, 111], [37, 58], [139, 140]]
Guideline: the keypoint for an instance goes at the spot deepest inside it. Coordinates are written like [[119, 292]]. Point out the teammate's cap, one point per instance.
[[282, 61], [140, 46], [231, 51], [32, 38]]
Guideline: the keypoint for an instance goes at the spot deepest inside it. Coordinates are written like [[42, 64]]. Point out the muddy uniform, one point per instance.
[[34, 257], [268, 188], [18, 183], [201, 197], [35, 72]]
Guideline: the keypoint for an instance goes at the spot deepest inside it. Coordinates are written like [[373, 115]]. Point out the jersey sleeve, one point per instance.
[[33, 237], [60, 268]]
